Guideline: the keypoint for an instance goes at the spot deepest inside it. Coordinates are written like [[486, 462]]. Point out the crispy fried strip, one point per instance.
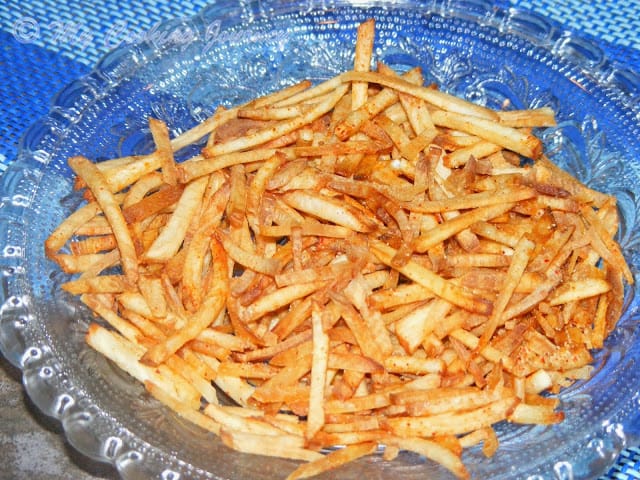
[[269, 133], [611, 252], [475, 200], [517, 267], [126, 355], [457, 224], [438, 285], [376, 104], [212, 304], [452, 424], [437, 98], [320, 360], [525, 144], [63, 232], [152, 204], [333, 460], [109, 205], [330, 209], [166, 245]]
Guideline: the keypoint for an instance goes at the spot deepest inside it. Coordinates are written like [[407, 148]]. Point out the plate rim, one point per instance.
[[32, 359]]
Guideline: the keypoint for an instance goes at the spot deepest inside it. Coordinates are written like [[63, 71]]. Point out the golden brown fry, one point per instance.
[[457, 224], [432, 450], [435, 97], [152, 204], [100, 284], [95, 244], [611, 251], [281, 95], [120, 178], [511, 193], [517, 266], [575, 290], [539, 117], [376, 104], [278, 299], [362, 61], [358, 404], [270, 445], [331, 210], [212, 304], [413, 328], [461, 156], [146, 185], [97, 184], [160, 134], [81, 263], [333, 460], [510, 138], [436, 284], [267, 265], [309, 95], [271, 113], [320, 360], [413, 365], [452, 423], [278, 130], [166, 245], [61, 235], [362, 333], [536, 414], [126, 355], [247, 370]]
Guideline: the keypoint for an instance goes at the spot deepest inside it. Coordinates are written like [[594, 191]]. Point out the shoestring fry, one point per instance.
[[365, 266]]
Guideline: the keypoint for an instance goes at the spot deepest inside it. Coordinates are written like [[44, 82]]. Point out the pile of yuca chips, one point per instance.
[[367, 263]]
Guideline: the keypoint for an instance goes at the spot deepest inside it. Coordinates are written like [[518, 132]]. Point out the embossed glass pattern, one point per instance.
[[231, 52]]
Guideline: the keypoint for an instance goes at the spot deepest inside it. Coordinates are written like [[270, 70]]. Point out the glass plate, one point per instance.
[[230, 52]]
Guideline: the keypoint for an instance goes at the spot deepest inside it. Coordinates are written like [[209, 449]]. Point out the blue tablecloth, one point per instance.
[[45, 44]]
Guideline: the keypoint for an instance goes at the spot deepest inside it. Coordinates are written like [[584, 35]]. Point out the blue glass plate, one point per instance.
[[231, 52]]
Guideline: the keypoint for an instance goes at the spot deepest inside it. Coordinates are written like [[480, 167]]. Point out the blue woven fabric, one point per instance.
[[614, 25], [84, 30], [45, 44], [627, 467], [26, 87], [609, 20]]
